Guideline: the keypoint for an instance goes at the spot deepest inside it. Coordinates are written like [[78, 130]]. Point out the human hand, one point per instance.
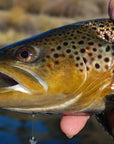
[[71, 125], [111, 9]]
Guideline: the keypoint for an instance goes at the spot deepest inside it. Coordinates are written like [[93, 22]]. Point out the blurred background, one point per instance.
[[23, 18], [20, 19]]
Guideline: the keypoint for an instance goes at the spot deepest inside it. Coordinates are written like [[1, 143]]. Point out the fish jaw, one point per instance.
[[27, 98], [89, 100], [22, 96], [21, 86]]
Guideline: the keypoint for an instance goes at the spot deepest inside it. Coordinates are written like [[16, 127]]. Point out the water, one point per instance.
[[16, 128], [33, 139]]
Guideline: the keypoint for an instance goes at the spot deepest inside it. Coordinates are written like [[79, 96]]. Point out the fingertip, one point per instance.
[[71, 125], [111, 9]]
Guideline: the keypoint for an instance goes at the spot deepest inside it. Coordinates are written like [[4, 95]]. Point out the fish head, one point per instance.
[[37, 73], [67, 69]]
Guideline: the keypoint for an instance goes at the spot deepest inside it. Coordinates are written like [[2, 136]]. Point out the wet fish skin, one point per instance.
[[66, 69]]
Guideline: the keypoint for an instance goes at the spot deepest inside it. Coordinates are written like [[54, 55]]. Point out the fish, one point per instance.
[[69, 69]]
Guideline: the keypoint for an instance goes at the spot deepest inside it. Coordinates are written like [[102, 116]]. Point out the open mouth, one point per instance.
[[6, 81]]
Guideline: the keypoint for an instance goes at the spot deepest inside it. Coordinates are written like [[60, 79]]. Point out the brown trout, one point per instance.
[[68, 69]]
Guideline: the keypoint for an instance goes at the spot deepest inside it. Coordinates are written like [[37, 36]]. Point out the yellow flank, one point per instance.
[[67, 69]]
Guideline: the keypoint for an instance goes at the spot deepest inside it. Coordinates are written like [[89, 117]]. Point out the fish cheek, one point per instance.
[[62, 77]]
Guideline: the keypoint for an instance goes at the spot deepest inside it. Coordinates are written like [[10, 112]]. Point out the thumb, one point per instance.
[[71, 125], [111, 9]]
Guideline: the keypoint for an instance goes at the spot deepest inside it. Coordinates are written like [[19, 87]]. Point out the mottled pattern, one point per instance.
[[70, 68], [89, 45]]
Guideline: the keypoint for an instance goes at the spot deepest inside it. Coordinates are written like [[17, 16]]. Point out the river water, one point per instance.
[[16, 128]]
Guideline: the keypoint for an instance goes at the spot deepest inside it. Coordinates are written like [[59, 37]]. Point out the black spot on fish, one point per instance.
[[65, 43], [97, 66], [80, 42], [90, 43], [106, 36], [106, 59], [108, 48]]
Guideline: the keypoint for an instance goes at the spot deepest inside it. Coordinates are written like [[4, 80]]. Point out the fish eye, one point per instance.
[[26, 54]]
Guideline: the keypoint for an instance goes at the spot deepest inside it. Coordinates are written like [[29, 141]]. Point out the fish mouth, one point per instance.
[[7, 83]]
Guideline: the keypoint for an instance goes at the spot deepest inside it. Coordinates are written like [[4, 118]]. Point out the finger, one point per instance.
[[111, 9], [71, 125]]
